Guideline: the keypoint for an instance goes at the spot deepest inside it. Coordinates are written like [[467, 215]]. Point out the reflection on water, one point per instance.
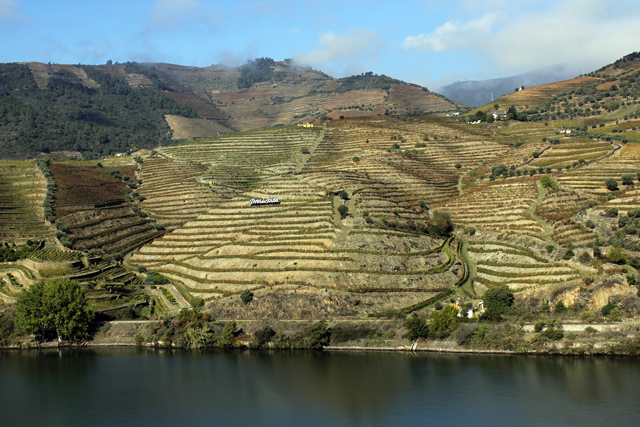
[[123, 386]]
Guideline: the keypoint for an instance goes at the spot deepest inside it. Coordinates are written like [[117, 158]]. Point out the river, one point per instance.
[[140, 387]]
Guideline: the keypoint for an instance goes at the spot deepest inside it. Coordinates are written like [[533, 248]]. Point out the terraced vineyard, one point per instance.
[[359, 228], [91, 205], [517, 266], [571, 154], [22, 191], [239, 162], [172, 192], [501, 207], [591, 179]]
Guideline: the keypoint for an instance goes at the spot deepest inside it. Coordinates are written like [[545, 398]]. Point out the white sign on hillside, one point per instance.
[[267, 201]]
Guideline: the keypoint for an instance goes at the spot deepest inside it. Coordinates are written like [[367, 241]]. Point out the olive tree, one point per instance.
[[612, 184]]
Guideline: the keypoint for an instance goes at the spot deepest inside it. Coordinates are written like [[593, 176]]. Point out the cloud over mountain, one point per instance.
[[355, 49]]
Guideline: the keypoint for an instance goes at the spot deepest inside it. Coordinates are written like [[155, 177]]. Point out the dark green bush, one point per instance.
[[246, 296]]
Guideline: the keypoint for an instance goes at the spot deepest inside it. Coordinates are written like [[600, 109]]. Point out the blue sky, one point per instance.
[[426, 42]]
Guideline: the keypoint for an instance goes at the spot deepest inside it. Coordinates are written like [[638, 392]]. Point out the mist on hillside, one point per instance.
[[478, 93]]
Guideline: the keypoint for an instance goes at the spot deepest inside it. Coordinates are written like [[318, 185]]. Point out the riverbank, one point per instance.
[[374, 336]]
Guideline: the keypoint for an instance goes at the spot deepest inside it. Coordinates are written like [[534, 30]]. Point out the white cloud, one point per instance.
[[454, 34], [8, 10], [592, 33], [580, 32], [173, 12], [354, 50]]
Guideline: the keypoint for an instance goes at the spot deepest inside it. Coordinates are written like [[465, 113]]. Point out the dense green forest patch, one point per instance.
[[69, 116]]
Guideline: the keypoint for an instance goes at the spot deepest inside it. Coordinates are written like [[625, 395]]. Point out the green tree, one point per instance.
[[228, 335], [497, 301], [627, 179], [612, 184], [442, 224], [444, 321], [57, 306], [548, 182], [319, 335], [343, 210], [417, 327], [263, 336]]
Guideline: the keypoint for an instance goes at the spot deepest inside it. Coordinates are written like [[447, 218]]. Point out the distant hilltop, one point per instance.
[[97, 110]]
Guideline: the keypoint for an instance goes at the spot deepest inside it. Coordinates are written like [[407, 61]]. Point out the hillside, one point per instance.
[[376, 218], [610, 93], [264, 93], [477, 93], [359, 220], [91, 111]]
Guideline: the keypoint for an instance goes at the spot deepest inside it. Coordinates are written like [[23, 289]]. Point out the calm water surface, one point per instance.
[[134, 387]]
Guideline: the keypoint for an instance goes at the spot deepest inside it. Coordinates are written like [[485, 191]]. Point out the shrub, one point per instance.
[[590, 330], [458, 165], [614, 315], [343, 210], [159, 279], [539, 326], [141, 269], [99, 164], [616, 255], [606, 310], [356, 159], [612, 213], [560, 308], [590, 224], [246, 296], [586, 316], [568, 255], [627, 179], [553, 334], [263, 336], [305, 150], [197, 302]]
